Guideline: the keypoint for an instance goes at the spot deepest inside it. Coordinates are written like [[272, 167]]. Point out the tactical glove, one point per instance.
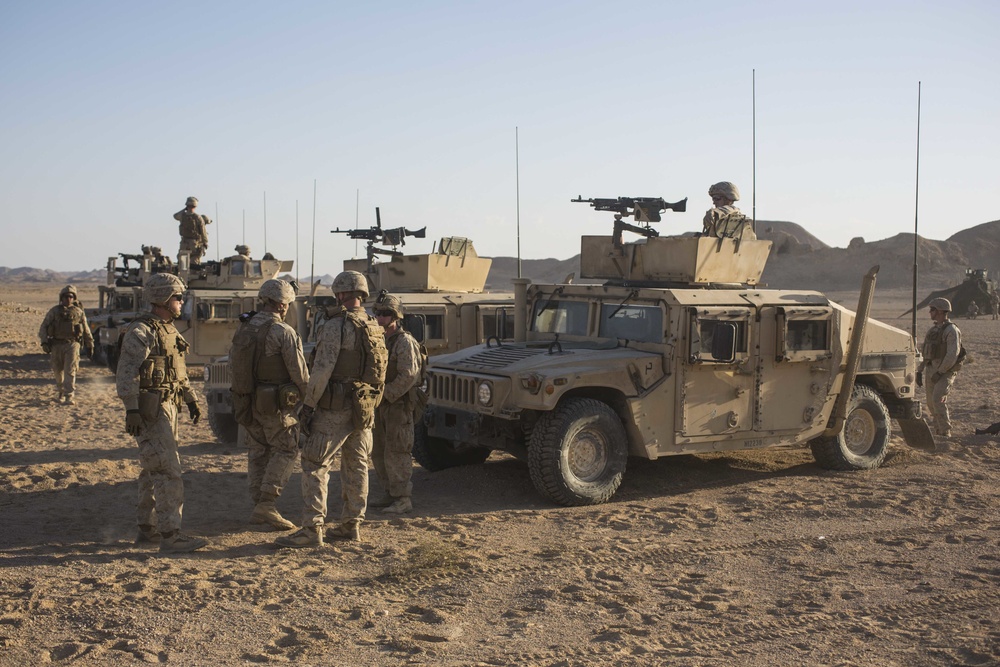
[[47, 348], [90, 350], [194, 412], [306, 419], [133, 422], [920, 378]]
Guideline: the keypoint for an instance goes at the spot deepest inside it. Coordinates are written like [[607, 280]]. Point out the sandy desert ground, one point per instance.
[[757, 558]]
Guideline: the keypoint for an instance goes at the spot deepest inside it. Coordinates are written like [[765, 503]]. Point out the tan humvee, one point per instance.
[[677, 352]]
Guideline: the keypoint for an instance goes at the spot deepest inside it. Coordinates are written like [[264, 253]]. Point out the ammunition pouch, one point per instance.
[[418, 402], [364, 400], [149, 404], [335, 396], [273, 398]]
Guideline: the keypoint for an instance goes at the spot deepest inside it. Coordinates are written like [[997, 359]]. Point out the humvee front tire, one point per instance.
[[224, 427], [436, 454], [577, 453], [864, 441]]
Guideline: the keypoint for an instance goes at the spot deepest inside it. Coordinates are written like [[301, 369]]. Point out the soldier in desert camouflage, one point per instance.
[[338, 413], [941, 349], [63, 331], [152, 382], [393, 434], [194, 234], [267, 356], [724, 220]]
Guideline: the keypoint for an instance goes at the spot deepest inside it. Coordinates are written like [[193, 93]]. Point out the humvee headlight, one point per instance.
[[485, 394]]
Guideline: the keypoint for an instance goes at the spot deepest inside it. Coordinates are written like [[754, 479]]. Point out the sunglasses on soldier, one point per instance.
[[384, 313]]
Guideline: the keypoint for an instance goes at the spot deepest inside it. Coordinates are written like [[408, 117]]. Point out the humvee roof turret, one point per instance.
[[679, 351]]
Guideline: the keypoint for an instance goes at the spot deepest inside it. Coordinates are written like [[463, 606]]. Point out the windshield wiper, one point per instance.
[[634, 293]]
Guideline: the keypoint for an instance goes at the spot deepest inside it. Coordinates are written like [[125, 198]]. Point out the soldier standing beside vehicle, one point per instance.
[[194, 234], [393, 433], [62, 332], [267, 364], [724, 219], [152, 383], [995, 304], [338, 413], [942, 361]]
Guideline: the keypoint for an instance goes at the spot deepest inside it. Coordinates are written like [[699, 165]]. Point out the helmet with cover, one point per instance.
[[725, 189], [351, 281], [191, 201], [391, 304], [69, 289], [941, 303], [160, 287], [277, 290]]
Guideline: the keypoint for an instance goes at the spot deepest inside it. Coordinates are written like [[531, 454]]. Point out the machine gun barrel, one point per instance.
[[642, 209]]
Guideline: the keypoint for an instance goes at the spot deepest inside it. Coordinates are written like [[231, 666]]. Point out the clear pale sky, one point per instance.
[[114, 112]]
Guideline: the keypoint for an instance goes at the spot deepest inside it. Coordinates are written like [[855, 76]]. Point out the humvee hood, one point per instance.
[[518, 358]]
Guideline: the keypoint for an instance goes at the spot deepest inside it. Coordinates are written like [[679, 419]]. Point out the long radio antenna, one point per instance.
[[218, 226], [265, 222], [312, 264], [753, 97], [916, 217], [296, 241], [517, 198]]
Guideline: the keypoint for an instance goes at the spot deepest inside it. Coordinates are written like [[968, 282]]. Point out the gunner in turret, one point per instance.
[[724, 220]]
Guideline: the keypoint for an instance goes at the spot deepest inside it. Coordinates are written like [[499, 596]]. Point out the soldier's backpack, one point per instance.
[[248, 345]]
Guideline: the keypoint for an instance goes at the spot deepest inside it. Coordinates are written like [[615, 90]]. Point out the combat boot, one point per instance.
[[401, 506], [350, 531], [265, 512], [59, 396], [69, 400], [176, 542], [307, 536], [147, 534], [382, 501]]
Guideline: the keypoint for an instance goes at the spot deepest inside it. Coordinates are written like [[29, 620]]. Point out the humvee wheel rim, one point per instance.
[[859, 431], [587, 455]]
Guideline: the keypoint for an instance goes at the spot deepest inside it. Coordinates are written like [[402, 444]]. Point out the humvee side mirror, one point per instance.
[[724, 341]]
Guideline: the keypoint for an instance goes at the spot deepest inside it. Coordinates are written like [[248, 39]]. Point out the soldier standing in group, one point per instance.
[[266, 360], [393, 433], [995, 304], [724, 219], [63, 330], [152, 383], [941, 350], [338, 413], [194, 234]]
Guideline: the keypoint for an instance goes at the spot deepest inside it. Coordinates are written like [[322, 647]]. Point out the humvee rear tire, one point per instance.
[[436, 454], [577, 453], [224, 427], [864, 441]]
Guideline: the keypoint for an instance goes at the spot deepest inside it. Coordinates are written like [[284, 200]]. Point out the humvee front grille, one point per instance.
[[217, 374], [453, 388]]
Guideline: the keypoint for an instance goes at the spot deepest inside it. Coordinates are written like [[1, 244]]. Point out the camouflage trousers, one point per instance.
[[196, 247], [393, 446], [161, 491], [937, 401], [333, 431], [274, 446], [65, 360]]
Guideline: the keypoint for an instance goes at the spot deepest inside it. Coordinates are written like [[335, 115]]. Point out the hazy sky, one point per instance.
[[114, 112]]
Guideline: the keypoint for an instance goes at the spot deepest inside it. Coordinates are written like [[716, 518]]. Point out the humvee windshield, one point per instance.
[[636, 323], [564, 317]]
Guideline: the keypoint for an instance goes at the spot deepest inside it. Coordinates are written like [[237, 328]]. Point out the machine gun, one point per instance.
[[642, 209], [393, 237]]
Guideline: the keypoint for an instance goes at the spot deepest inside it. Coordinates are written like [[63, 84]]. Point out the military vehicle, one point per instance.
[[218, 291], [442, 294], [976, 288], [679, 351]]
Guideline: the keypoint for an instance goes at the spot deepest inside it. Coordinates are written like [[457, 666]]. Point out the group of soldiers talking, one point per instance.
[[357, 395]]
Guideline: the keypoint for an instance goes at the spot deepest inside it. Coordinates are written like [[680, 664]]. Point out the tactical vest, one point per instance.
[[67, 324], [392, 369], [164, 368], [191, 225], [249, 364], [935, 347], [367, 361]]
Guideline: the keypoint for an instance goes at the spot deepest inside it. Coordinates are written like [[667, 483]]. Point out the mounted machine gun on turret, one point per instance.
[[392, 237], [641, 209]]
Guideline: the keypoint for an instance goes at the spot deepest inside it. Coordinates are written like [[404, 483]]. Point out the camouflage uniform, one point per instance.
[[393, 433], [161, 491], [193, 230], [333, 427], [726, 221], [274, 437], [61, 333], [940, 365]]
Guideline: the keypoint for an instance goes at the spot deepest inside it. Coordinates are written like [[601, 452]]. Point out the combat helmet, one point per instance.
[[160, 287], [191, 201], [350, 281], [726, 189], [276, 290], [69, 289], [389, 303], [940, 303]]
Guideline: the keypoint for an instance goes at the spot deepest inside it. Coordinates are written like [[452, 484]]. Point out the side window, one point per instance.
[[435, 327], [638, 323], [719, 336], [803, 334], [415, 324], [498, 322]]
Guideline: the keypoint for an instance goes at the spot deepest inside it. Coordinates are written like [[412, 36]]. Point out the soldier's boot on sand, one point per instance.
[[307, 536], [59, 396], [351, 531], [265, 512], [147, 534], [382, 501], [401, 506], [176, 542], [70, 400]]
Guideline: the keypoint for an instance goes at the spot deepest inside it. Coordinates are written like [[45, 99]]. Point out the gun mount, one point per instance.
[[394, 237], [641, 209]]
